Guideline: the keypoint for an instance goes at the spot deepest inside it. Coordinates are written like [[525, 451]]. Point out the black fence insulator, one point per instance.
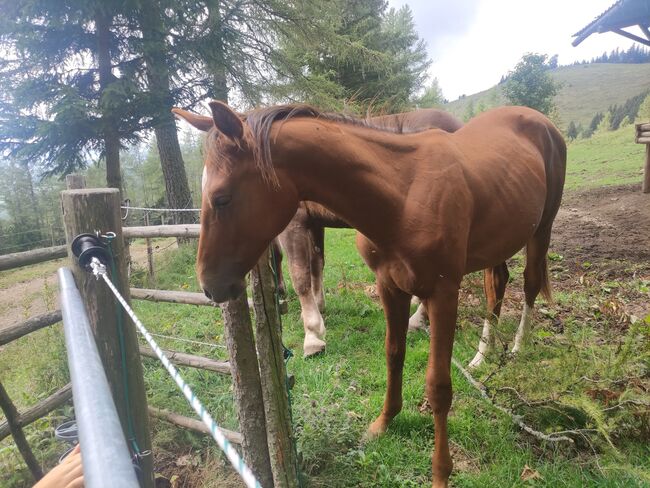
[[88, 246]]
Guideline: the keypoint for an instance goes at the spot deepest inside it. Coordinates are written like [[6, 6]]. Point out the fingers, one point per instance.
[[74, 477], [75, 453]]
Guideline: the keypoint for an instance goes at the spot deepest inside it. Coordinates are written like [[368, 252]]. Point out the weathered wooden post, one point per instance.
[[643, 137], [75, 181], [11, 414], [247, 388], [149, 249], [268, 328], [88, 211]]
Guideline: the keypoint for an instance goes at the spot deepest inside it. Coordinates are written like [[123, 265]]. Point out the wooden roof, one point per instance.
[[624, 13]]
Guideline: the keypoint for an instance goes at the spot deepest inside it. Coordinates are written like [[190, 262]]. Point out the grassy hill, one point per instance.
[[586, 89]]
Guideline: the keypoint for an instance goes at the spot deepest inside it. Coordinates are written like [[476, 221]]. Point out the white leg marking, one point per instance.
[[484, 346], [522, 331], [314, 326], [418, 320]]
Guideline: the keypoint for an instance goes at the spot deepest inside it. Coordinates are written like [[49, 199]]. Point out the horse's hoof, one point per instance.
[[477, 361], [418, 327], [374, 430], [313, 347], [418, 322]]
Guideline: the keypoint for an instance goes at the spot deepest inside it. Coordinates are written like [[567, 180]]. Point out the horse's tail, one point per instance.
[[546, 290]]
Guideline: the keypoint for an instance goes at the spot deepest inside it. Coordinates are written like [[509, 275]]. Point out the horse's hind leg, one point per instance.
[[296, 242], [494, 283], [317, 233], [418, 320], [535, 280]]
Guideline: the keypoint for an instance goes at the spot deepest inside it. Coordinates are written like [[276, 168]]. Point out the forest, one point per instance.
[[88, 86]]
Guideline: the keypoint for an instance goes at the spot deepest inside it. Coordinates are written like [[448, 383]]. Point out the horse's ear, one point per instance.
[[226, 121], [201, 122]]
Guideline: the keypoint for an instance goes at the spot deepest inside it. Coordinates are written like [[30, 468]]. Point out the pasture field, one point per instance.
[[584, 91], [585, 372]]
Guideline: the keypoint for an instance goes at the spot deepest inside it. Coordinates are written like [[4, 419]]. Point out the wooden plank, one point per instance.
[[13, 332], [178, 230], [192, 424], [247, 389], [11, 414], [270, 352], [642, 140], [86, 211], [184, 297], [190, 360], [644, 133], [19, 259], [41, 409], [643, 127]]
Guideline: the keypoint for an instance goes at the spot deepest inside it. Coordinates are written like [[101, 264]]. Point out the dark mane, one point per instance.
[[261, 120]]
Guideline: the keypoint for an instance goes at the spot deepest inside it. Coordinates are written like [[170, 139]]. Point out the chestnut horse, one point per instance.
[[429, 207], [304, 238]]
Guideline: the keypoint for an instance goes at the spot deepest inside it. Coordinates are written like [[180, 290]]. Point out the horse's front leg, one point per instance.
[[442, 308], [396, 308]]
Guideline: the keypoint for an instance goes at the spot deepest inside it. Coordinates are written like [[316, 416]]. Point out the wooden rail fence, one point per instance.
[[258, 380]]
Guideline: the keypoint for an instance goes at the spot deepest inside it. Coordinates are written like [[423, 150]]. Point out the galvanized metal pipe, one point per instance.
[[106, 459]]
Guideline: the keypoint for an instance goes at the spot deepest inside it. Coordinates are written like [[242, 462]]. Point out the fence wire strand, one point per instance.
[[99, 270]]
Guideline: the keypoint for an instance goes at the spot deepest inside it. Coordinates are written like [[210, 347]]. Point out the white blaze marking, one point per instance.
[[204, 178]]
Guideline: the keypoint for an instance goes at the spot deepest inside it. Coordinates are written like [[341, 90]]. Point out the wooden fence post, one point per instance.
[[268, 329], [149, 250], [247, 387], [11, 414], [88, 211], [75, 181], [646, 170]]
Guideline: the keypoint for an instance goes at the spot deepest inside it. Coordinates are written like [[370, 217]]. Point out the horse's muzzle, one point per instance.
[[221, 293]]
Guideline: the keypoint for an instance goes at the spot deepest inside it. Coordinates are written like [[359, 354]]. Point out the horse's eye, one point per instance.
[[221, 201]]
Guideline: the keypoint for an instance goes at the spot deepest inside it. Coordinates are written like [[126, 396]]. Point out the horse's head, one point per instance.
[[244, 206]]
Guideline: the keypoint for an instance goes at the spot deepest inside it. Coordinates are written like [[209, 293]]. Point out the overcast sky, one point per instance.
[[474, 42]]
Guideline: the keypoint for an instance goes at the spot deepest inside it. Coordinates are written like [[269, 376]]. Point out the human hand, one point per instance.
[[68, 474]]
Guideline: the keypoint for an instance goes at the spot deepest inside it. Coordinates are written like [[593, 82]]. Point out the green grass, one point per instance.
[[585, 90], [338, 393], [607, 158], [584, 359]]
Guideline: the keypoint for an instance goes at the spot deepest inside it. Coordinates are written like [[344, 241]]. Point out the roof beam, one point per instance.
[[634, 37], [645, 31]]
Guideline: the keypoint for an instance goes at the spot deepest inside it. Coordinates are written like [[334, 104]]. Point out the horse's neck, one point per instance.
[[348, 169]]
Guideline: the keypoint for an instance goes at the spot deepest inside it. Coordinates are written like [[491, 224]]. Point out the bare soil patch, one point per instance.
[[604, 225]]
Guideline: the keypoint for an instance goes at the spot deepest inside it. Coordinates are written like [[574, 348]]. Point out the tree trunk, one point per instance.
[[171, 159], [214, 58], [106, 77]]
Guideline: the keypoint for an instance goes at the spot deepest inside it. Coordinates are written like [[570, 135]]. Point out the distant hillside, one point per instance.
[[586, 89]]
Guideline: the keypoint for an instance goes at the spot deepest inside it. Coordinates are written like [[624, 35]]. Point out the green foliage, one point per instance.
[[432, 96], [531, 85], [366, 56], [643, 115], [469, 111], [572, 131]]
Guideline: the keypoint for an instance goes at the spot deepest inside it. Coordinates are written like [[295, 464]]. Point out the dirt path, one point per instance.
[[33, 290], [609, 224]]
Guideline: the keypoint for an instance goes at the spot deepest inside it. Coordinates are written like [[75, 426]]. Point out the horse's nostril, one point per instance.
[[207, 293]]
